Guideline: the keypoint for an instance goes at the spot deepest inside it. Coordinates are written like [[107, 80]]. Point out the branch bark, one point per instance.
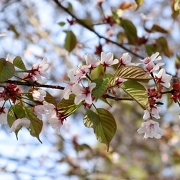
[[92, 30]]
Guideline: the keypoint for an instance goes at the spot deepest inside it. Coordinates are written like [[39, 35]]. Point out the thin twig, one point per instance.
[[92, 30]]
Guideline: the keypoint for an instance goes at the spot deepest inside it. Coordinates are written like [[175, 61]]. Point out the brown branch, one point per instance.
[[34, 84], [92, 30]]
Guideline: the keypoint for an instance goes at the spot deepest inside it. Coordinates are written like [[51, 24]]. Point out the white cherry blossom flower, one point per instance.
[[38, 70], [39, 95], [47, 112], [9, 59], [83, 93], [92, 61], [55, 122], [44, 111], [151, 129], [119, 81], [76, 74], [125, 59], [18, 123], [3, 34], [42, 67], [149, 64], [107, 59], [154, 113], [163, 78]]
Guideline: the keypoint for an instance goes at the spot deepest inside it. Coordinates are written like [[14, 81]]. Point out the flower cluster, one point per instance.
[[161, 79], [88, 83], [12, 93], [81, 73]]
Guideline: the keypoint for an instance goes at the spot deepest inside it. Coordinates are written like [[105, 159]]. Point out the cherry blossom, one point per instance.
[[3, 34], [163, 78], [107, 59], [42, 67], [83, 93], [92, 61], [119, 81], [39, 94], [151, 129], [44, 111], [125, 59], [149, 64], [74, 76], [18, 123], [47, 112], [54, 121], [38, 70], [154, 113]]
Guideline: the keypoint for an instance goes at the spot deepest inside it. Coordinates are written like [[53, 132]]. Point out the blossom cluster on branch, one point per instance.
[[96, 80]]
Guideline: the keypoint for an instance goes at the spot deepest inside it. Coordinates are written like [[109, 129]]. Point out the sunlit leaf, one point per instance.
[[130, 31], [6, 70], [67, 106], [50, 99], [139, 3], [97, 72], [101, 86], [131, 72], [19, 63], [70, 41], [15, 112], [137, 92], [103, 123], [36, 124]]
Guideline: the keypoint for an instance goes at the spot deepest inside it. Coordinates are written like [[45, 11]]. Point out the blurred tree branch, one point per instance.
[[92, 30]]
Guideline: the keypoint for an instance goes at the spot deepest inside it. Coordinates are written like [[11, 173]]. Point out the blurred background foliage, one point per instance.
[[63, 32]]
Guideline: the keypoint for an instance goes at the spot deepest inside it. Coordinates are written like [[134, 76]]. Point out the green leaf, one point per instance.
[[87, 22], [15, 111], [157, 28], [67, 106], [101, 86], [139, 3], [131, 72], [50, 99], [19, 63], [36, 124], [70, 41], [162, 46], [137, 92], [70, 7], [6, 70], [130, 31], [103, 123], [14, 30], [116, 17], [121, 37], [61, 23], [150, 49], [97, 72]]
